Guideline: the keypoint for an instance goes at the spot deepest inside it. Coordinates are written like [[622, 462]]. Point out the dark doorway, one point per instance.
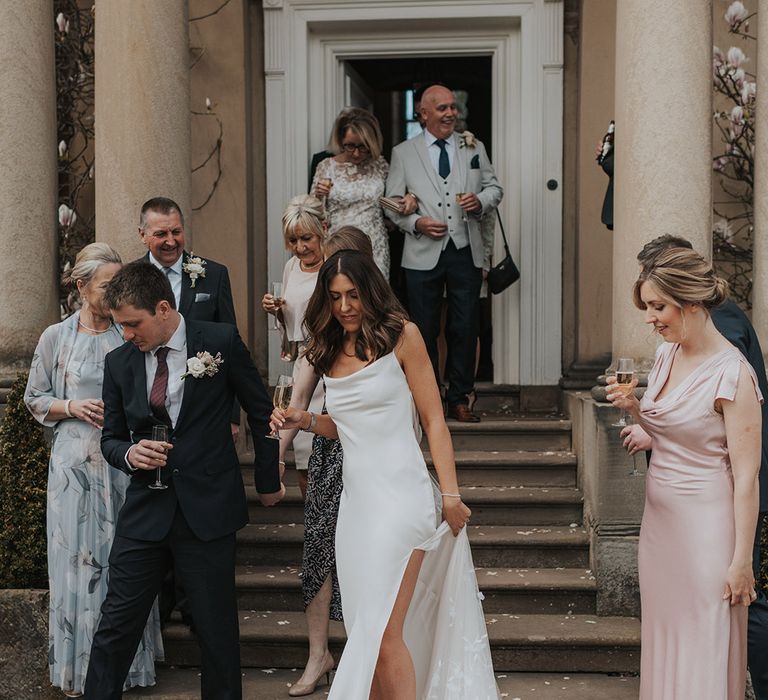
[[388, 85]]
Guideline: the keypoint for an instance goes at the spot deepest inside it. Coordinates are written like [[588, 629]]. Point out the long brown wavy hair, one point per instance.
[[383, 316]]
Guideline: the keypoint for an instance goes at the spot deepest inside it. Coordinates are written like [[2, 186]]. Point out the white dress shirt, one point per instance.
[[177, 365], [434, 150], [175, 273]]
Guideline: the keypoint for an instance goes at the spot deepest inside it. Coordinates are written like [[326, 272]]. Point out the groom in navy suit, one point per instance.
[[191, 524]]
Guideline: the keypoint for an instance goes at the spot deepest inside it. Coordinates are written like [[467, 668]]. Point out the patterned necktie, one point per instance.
[[160, 387], [443, 164]]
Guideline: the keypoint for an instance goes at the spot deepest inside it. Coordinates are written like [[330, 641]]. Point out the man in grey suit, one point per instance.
[[455, 185]]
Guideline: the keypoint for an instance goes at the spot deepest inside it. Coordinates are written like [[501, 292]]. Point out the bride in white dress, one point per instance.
[[412, 612]]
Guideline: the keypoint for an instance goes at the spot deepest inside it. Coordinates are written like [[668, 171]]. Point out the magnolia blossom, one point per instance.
[[62, 23], [62, 148], [720, 164], [717, 55], [739, 76], [722, 227], [736, 13], [67, 216], [737, 114], [208, 103], [736, 56], [748, 91]]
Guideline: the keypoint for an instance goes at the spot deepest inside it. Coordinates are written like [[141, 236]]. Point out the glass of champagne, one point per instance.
[[277, 293], [281, 398], [459, 195], [325, 182], [159, 434], [625, 371]]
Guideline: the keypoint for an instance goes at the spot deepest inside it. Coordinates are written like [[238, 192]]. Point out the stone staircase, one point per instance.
[[519, 477]]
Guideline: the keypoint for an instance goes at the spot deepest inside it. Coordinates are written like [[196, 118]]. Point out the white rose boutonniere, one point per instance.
[[202, 365], [194, 267], [468, 140]]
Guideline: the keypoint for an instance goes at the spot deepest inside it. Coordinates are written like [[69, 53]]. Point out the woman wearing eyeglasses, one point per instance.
[[352, 181]]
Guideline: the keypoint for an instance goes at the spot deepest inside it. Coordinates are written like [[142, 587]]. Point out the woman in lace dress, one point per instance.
[[352, 181], [84, 493], [415, 626], [702, 409]]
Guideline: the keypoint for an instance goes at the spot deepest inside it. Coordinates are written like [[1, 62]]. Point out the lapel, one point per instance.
[[420, 144], [187, 296], [194, 346], [139, 367]]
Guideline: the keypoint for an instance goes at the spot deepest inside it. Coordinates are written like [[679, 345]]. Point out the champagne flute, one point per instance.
[[325, 182], [277, 294], [459, 195], [625, 371], [159, 434], [281, 398]]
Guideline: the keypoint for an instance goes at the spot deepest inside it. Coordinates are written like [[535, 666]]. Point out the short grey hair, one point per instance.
[[88, 260]]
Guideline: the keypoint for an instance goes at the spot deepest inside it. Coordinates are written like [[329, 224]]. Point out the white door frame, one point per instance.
[[306, 43]]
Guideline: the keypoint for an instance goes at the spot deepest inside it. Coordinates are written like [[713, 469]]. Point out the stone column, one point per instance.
[[28, 233], [142, 114], [759, 242], [663, 145]]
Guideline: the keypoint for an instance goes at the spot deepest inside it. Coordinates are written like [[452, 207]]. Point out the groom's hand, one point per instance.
[[270, 499], [149, 454]]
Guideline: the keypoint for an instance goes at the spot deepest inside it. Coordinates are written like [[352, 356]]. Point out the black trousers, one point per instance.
[[757, 636], [136, 571], [455, 275]]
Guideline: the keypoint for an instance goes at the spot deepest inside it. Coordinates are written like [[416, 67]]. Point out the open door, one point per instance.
[[357, 92]]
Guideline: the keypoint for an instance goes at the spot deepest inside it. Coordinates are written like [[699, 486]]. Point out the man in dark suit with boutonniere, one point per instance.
[[202, 292], [191, 524], [443, 255]]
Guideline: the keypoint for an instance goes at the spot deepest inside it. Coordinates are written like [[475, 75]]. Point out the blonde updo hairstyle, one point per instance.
[[681, 276], [303, 214], [88, 260]]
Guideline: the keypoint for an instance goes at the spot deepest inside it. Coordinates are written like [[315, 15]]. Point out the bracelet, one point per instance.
[[451, 495], [280, 462], [312, 423], [66, 408]]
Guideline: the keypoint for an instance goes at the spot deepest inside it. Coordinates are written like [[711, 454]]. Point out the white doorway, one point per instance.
[[308, 49]]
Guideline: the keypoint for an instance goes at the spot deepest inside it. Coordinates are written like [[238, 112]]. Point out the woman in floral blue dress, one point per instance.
[[84, 493]]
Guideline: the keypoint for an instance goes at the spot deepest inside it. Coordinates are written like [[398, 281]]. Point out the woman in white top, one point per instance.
[[304, 233]]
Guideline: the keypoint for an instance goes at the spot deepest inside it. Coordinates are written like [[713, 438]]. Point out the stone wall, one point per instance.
[[23, 645]]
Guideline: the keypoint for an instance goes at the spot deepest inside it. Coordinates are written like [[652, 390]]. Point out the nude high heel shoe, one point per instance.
[[301, 689]]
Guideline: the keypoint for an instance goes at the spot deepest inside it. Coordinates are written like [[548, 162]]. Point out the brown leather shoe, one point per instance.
[[461, 413]]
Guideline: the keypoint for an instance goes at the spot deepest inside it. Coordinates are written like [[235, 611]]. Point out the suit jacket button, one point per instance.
[[176, 471], [439, 204]]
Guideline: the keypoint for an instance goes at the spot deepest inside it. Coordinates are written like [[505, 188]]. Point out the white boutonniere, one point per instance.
[[468, 140], [202, 365], [194, 267]]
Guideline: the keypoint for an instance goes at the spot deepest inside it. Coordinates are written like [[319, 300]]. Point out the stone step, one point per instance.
[[486, 468], [519, 643], [515, 591], [492, 546], [272, 684], [511, 433], [490, 505]]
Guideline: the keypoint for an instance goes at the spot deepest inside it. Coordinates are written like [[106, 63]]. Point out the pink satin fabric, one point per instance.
[[694, 645]]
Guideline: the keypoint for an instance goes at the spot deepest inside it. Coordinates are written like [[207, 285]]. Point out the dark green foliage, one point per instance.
[[23, 484], [763, 582]]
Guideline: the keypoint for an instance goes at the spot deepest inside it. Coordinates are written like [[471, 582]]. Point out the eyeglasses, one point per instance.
[[359, 147]]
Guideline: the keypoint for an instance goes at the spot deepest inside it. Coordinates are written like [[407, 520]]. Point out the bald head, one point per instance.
[[438, 109]]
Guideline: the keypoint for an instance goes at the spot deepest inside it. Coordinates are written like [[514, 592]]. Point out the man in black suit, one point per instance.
[[731, 322], [190, 525]]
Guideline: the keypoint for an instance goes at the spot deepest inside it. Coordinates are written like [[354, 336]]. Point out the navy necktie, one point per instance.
[[443, 164]]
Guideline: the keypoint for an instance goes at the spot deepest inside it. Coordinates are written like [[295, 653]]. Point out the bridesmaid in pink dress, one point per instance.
[[702, 410]]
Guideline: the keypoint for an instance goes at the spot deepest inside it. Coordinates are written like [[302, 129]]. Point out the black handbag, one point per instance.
[[505, 273]]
